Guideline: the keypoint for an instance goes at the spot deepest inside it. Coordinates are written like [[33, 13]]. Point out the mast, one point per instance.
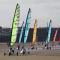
[[27, 25], [49, 32], [34, 32], [15, 25], [21, 32]]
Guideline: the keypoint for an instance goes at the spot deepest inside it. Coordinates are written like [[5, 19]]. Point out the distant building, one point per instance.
[[5, 34]]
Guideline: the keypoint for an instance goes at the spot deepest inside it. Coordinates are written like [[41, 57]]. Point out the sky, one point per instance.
[[42, 10]]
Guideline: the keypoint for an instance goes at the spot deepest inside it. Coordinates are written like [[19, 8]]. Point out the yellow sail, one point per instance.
[[34, 33]]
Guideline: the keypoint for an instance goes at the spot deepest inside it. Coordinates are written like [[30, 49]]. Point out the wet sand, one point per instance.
[[32, 57], [27, 57]]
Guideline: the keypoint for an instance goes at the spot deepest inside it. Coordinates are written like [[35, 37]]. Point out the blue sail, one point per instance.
[[21, 32], [27, 25], [49, 33]]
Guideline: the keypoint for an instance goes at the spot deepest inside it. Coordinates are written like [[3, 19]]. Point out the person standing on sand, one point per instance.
[[28, 46], [18, 47]]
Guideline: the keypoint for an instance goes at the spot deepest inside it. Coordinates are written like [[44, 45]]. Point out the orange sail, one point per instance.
[[34, 33]]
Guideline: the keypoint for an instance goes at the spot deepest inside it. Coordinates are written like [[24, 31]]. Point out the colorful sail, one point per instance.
[[27, 25], [55, 34], [15, 25], [34, 32], [58, 40], [49, 33], [21, 32]]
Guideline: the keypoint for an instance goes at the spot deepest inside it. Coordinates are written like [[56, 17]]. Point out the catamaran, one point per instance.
[[26, 31], [14, 30]]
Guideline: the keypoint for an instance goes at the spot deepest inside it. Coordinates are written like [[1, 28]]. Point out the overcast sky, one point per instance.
[[42, 10]]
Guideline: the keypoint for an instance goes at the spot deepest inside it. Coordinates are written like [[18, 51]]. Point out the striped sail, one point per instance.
[[21, 32], [55, 34], [34, 32], [15, 25], [49, 33], [27, 25]]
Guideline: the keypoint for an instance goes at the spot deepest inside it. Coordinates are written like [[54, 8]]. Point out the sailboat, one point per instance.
[[21, 32], [27, 25], [34, 32], [49, 33], [14, 30], [15, 24], [26, 30]]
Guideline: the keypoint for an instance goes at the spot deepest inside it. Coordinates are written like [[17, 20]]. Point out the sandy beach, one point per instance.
[[27, 57], [32, 57]]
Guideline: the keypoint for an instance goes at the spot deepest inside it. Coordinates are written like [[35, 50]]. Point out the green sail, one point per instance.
[[27, 25], [15, 25]]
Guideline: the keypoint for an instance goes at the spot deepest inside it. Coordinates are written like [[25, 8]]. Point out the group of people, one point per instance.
[[22, 51]]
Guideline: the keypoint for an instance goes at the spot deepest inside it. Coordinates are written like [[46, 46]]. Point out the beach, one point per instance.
[[26, 57], [32, 57]]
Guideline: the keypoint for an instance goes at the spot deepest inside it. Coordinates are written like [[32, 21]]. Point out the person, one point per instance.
[[18, 47], [36, 48], [24, 51], [28, 46], [12, 50]]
